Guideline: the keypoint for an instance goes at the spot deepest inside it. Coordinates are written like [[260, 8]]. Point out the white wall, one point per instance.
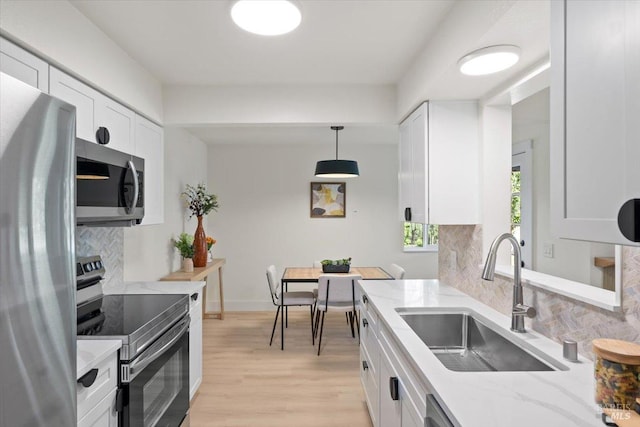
[[58, 32], [264, 215], [148, 251], [198, 105]]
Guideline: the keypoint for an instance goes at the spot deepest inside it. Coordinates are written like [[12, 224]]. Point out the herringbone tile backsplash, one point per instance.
[[558, 317], [107, 242]]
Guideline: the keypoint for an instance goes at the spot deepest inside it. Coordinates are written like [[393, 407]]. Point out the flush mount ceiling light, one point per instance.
[[337, 168], [489, 60], [266, 17]]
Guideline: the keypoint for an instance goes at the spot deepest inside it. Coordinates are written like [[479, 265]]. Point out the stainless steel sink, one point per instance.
[[464, 341]]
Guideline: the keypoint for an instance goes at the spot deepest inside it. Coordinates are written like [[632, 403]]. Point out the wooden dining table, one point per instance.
[[312, 274]]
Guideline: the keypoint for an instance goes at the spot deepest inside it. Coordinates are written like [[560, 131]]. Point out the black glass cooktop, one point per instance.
[[119, 316]]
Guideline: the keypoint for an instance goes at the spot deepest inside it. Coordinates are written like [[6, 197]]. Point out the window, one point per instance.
[[521, 198], [420, 237], [515, 202]]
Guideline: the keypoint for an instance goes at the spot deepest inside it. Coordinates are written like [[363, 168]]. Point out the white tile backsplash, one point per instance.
[[108, 242]]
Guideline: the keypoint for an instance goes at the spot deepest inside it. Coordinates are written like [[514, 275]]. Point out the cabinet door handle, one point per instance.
[[365, 299], [365, 322], [89, 378], [407, 214], [194, 297], [365, 365], [394, 388], [629, 220], [102, 135]]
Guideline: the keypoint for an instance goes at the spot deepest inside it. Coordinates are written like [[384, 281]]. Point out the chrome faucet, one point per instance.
[[519, 310]]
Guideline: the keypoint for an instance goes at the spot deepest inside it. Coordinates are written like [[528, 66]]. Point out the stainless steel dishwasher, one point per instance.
[[435, 415]]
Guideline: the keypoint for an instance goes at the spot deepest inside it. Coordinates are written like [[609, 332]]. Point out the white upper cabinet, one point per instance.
[[119, 121], [23, 65], [82, 96], [95, 112], [595, 119], [149, 145], [439, 174]]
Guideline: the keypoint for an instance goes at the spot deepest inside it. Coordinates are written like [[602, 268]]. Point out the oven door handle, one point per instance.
[[136, 186], [156, 350]]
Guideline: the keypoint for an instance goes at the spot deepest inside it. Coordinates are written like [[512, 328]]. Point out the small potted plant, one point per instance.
[[336, 266], [184, 244]]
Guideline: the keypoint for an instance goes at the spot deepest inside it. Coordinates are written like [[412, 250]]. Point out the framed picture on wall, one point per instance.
[[328, 199]]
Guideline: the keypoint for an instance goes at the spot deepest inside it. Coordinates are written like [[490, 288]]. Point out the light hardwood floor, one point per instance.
[[247, 383]]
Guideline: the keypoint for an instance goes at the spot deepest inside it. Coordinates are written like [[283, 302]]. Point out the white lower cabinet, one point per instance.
[[195, 344], [390, 409], [103, 414], [97, 402], [395, 397]]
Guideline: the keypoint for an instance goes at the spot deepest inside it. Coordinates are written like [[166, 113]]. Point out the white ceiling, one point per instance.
[[287, 134], [195, 42], [338, 42]]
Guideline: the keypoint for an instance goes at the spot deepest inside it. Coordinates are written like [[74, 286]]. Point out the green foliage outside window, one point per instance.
[[515, 181], [420, 235], [515, 197], [515, 209]]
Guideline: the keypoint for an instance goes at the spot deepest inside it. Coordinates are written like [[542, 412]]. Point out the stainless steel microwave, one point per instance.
[[109, 186]]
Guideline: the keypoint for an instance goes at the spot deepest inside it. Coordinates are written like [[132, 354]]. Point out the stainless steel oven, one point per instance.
[[156, 392], [109, 186], [153, 363]]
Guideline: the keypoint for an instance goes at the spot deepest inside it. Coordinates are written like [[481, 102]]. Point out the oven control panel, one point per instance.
[[89, 270]]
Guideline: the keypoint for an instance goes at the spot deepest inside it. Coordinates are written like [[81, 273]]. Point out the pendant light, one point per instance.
[[337, 168]]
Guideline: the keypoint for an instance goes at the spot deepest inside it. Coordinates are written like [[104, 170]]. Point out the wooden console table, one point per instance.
[[200, 274]]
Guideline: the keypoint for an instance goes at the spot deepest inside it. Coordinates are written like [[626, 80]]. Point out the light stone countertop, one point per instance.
[[154, 288], [487, 399], [92, 352]]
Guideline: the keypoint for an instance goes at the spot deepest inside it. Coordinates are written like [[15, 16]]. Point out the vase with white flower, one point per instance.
[[200, 203], [210, 242]]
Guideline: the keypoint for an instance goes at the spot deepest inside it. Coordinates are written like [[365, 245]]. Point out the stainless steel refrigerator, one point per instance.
[[37, 276]]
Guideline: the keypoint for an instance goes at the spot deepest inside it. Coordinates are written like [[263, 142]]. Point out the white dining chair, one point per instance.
[[282, 300], [337, 293], [316, 264], [396, 271]]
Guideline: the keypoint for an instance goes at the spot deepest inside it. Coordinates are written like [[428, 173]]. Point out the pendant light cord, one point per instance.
[[337, 129]]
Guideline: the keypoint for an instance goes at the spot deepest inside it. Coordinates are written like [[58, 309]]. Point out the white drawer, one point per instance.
[[106, 381], [369, 339], [103, 414], [369, 380]]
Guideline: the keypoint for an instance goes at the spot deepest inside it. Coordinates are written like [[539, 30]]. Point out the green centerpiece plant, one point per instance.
[[336, 266]]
